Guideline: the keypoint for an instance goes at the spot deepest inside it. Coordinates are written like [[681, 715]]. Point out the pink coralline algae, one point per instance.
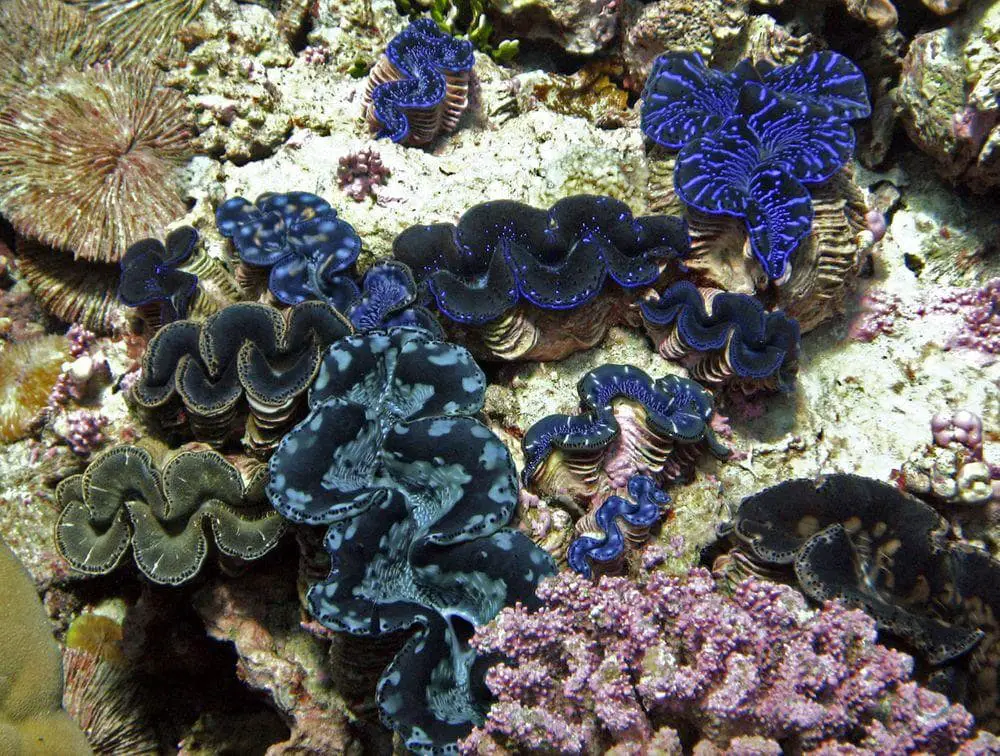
[[618, 664], [979, 309], [963, 428], [358, 173], [879, 311]]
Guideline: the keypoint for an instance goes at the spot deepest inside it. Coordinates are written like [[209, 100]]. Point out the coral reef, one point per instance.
[[298, 238], [578, 27], [590, 93], [232, 56], [723, 337], [260, 615], [122, 500], [88, 163], [416, 493], [947, 97], [952, 470], [975, 311], [31, 718], [624, 664], [712, 28], [39, 40], [84, 431], [140, 29], [247, 357], [419, 87], [151, 280], [28, 373], [84, 292]]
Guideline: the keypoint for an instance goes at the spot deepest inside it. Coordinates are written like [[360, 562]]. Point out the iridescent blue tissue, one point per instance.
[[300, 239]]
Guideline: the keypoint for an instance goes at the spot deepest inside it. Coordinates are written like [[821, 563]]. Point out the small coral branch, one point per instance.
[[358, 173]]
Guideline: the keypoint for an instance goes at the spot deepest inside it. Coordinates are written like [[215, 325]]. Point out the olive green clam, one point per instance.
[[167, 517]]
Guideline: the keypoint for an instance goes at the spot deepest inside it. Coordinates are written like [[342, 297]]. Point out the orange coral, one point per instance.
[[28, 372]]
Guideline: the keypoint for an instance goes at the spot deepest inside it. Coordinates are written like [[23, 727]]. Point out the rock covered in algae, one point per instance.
[[947, 97], [713, 28], [233, 54]]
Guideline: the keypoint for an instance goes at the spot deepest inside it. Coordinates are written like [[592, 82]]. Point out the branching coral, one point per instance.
[[358, 173], [419, 88], [299, 239], [416, 492], [248, 357], [751, 141], [724, 337], [88, 164], [619, 663], [121, 501]]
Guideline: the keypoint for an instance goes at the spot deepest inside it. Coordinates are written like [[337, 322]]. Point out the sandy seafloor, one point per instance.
[[274, 115]]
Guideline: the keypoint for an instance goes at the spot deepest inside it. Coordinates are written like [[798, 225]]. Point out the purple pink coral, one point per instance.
[[609, 665], [358, 173]]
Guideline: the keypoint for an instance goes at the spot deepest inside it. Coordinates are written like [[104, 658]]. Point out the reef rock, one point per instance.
[[580, 27], [947, 98], [713, 29]]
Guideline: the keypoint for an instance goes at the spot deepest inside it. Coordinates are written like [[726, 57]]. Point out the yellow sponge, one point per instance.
[[32, 720]]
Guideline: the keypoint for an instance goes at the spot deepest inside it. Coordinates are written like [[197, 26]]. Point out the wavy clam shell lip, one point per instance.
[[297, 242], [725, 338], [248, 358], [630, 424], [867, 543], [520, 282], [417, 494], [752, 141], [123, 501], [419, 87]]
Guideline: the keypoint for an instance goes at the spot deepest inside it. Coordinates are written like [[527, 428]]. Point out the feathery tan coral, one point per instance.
[[89, 163]]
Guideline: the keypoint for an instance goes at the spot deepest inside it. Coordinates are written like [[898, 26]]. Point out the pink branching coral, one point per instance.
[[84, 431], [617, 663], [360, 172]]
